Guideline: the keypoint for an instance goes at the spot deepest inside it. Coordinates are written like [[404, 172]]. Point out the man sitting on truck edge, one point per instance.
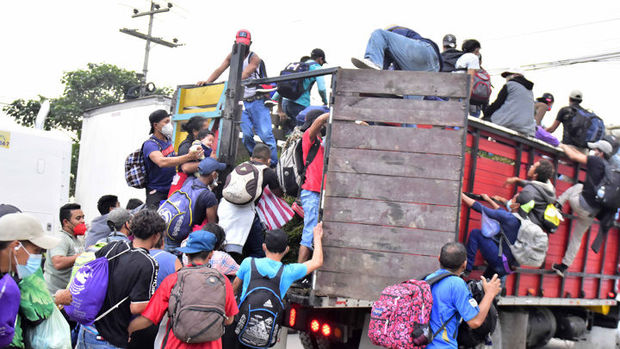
[[99, 225], [452, 296], [255, 117]]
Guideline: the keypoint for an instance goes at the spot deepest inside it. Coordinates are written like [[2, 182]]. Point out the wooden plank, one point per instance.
[[408, 111], [403, 139], [394, 189], [402, 83], [391, 163], [364, 236], [421, 216]]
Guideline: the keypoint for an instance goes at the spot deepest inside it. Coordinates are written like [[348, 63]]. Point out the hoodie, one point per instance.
[[99, 229], [544, 194], [514, 106]]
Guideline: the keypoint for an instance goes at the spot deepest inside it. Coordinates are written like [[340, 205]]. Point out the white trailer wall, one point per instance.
[[35, 168], [109, 134]]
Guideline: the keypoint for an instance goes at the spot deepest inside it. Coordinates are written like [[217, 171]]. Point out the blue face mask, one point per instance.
[[33, 263], [508, 203]]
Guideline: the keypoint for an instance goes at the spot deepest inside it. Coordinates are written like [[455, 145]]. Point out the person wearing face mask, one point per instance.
[[159, 158], [22, 241], [60, 259]]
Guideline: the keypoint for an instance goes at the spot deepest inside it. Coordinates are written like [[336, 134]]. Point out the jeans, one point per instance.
[[88, 340], [154, 197], [310, 203], [291, 109], [580, 224], [254, 244], [171, 245], [257, 118], [489, 250], [409, 54]]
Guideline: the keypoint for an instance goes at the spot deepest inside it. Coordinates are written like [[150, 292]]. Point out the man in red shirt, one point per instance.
[[199, 250], [311, 188]]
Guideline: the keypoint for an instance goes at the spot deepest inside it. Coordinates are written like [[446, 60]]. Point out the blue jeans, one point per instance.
[[409, 54], [254, 244], [489, 250], [257, 118], [88, 340], [292, 109], [310, 203], [171, 245]]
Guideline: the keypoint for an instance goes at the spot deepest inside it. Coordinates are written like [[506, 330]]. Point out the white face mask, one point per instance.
[[592, 152], [167, 130]]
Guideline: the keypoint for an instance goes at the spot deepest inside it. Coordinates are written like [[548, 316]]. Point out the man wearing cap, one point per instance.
[[565, 116], [514, 106], [199, 250], [159, 158], [450, 54], [256, 117], [119, 223], [289, 109], [582, 199], [406, 49]]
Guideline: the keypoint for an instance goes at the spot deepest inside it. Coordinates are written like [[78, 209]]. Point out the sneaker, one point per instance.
[[270, 103], [365, 63], [266, 88], [559, 268]]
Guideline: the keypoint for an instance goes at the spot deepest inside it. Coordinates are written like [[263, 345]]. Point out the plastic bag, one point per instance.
[[490, 227], [53, 333]]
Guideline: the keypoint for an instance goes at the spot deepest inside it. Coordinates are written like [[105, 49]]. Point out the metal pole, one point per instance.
[[147, 49]]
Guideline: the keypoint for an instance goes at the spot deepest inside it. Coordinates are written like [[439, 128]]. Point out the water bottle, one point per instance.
[[600, 193], [196, 145]]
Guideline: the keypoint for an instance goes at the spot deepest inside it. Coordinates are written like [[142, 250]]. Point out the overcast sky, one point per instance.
[[43, 39]]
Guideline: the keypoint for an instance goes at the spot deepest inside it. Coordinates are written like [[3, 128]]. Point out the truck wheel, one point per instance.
[[310, 341]]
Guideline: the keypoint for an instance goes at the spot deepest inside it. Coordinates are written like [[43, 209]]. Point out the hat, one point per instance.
[[603, 146], [6, 209], [511, 71], [21, 226], [243, 37], [276, 240], [449, 40], [318, 53], [198, 241], [546, 98], [310, 117], [576, 94], [157, 116], [208, 165], [119, 216]]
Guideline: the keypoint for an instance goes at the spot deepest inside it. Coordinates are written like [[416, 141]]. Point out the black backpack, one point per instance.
[[608, 190], [584, 126], [468, 337], [293, 89], [449, 58], [261, 311]]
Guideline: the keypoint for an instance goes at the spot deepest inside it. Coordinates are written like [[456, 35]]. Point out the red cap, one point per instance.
[[243, 37]]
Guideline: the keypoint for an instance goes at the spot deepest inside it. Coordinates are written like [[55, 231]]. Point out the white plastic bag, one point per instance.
[[52, 333]]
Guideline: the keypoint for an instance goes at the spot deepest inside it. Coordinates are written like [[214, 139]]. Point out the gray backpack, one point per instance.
[[197, 305], [530, 248], [244, 184]]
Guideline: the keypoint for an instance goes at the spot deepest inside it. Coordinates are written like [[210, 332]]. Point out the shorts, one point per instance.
[[310, 203]]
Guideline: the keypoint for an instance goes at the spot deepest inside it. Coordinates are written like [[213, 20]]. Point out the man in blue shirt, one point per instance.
[[452, 299]]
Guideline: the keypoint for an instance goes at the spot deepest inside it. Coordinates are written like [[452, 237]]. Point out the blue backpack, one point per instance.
[[584, 127], [293, 89], [177, 209]]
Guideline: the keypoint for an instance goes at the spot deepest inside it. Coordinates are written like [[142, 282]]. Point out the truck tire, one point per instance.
[[310, 341]]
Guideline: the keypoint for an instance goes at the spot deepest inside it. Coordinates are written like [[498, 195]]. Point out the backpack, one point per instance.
[[530, 248], [551, 217], [468, 337], [584, 126], [481, 88], [197, 305], [88, 290], [244, 184], [261, 311], [135, 169], [608, 189], [400, 318], [293, 89], [449, 60], [177, 210], [291, 169], [9, 298]]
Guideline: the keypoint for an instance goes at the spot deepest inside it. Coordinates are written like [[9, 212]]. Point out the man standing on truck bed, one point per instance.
[[256, 117], [452, 299]]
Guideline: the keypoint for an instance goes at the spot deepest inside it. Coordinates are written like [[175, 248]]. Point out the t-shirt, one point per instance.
[[314, 172], [268, 267], [468, 61], [166, 262], [595, 171], [205, 200], [69, 246], [564, 115], [159, 305], [450, 295], [158, 178], [132, 274]]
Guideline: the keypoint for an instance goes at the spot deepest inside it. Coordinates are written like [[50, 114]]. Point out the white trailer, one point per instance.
[[35, 168], [109, 134]]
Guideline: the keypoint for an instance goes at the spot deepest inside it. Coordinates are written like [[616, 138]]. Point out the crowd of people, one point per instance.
[[162, 256]]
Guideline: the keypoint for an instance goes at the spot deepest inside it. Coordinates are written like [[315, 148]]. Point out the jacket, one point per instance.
[[514, 106], [543, 194], [99, 229]]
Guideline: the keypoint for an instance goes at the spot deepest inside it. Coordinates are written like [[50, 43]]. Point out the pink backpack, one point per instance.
[[399, 319]]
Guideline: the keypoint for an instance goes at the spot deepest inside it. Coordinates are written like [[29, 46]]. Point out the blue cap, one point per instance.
[[209, 164], [199, 241]]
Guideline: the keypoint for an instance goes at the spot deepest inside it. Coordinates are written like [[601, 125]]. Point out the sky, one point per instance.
[[43, 39]]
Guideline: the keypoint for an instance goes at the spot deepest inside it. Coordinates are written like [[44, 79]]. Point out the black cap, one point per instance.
[[318, 53], [276, 240], [310, 117], [157, 116]]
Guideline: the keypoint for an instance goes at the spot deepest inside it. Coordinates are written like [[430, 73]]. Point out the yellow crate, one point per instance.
[[200, 99]]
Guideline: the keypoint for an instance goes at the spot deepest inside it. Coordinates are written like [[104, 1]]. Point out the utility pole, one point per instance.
[[155, 9]]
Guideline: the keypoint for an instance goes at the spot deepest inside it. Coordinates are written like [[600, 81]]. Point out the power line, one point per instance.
[[554, 29], [604, 57]]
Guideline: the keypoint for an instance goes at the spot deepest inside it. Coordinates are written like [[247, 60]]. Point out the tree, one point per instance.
[[98, 85]]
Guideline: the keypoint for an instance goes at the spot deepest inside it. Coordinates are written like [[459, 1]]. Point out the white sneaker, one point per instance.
[[365, 63]]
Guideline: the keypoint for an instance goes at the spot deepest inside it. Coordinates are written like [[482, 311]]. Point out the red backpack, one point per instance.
[[481, 88], [399, 319]]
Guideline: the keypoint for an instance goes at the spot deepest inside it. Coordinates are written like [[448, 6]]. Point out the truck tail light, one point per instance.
[[315, 325], [292, 317], [326, 330]]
